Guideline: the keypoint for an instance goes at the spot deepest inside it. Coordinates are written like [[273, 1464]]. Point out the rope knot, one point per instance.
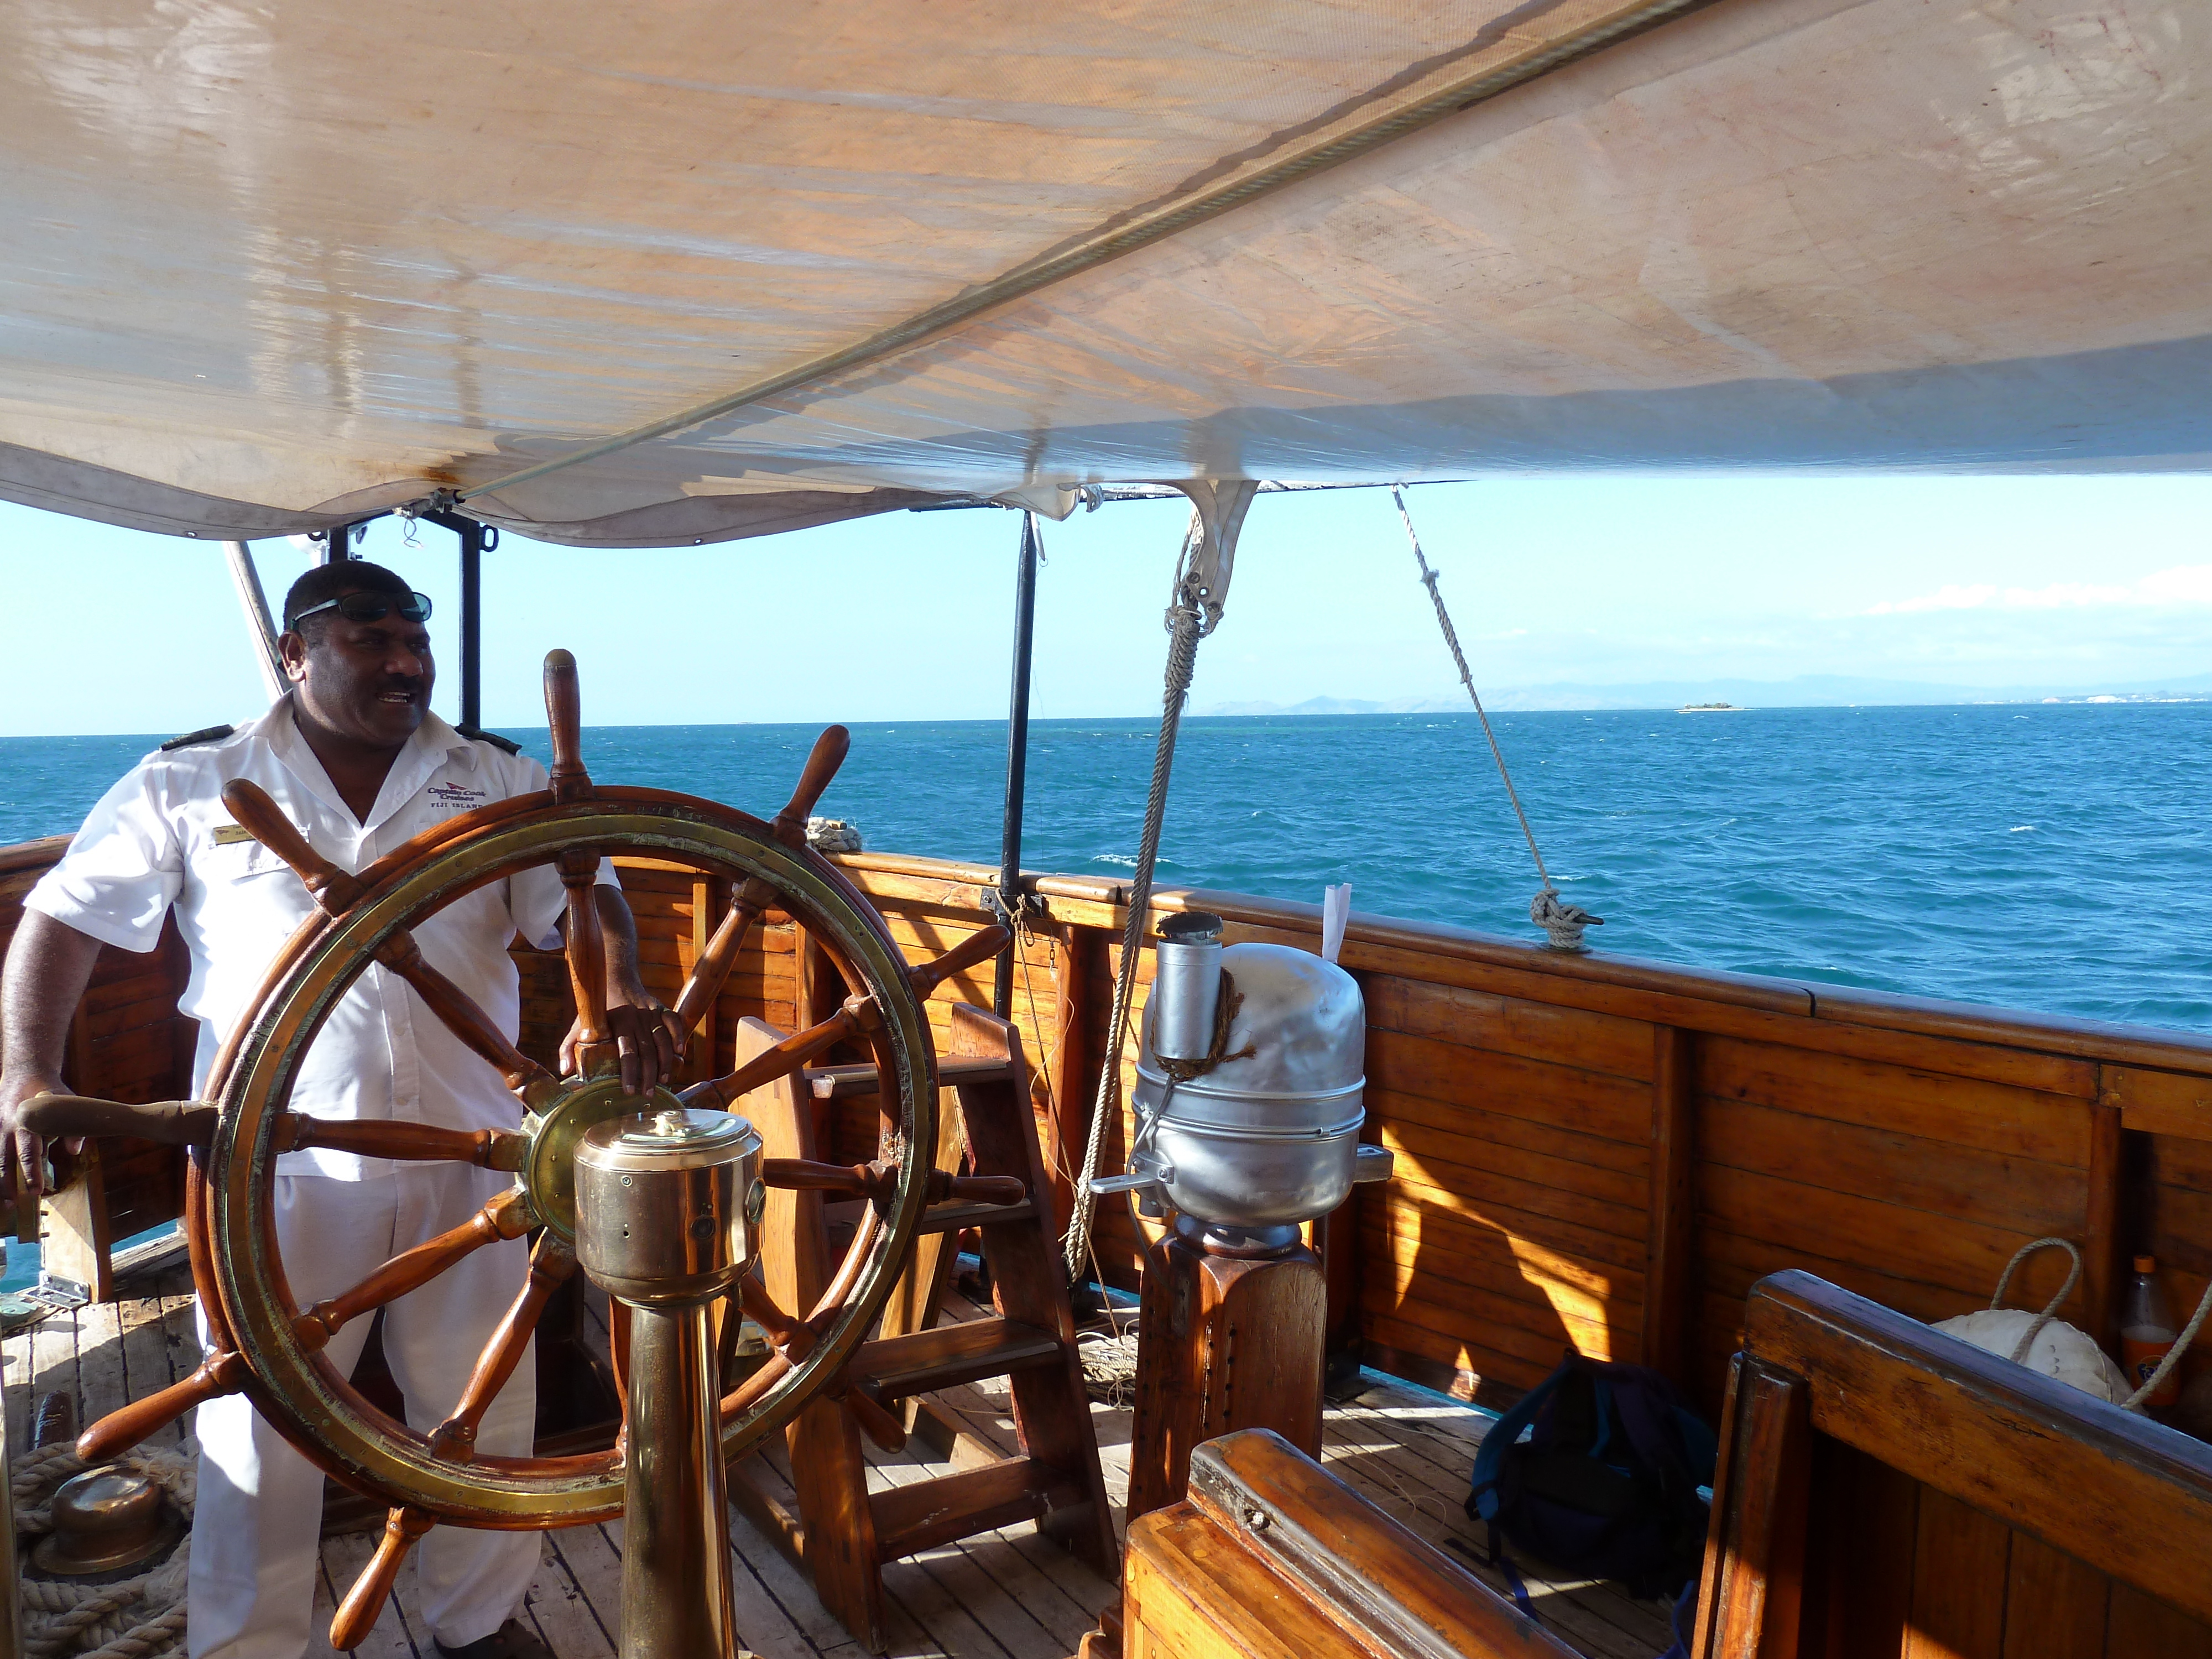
[[1563, 923]]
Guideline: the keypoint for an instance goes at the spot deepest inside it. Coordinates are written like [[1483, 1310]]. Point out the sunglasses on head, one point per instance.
[[372, 607]]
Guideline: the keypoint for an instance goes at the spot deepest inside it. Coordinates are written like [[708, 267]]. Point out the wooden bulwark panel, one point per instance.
[[1956, 1506]]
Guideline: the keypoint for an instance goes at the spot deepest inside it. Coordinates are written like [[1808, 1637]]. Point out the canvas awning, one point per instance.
[[268, 268]]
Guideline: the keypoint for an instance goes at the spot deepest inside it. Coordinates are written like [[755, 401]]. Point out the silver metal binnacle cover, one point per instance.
[[662, 1214], [1271, 1135]]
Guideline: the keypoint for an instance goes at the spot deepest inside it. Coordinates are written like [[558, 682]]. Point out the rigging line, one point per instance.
[[1187, 625], [1431, 100], [1562, 923], [1467, 679]]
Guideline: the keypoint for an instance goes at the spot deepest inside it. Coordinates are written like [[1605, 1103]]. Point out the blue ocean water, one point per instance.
[[2044, 857]]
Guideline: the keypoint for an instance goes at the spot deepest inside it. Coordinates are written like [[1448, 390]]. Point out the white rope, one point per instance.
[[2018, 1355], [140, 1618], [2134, 1403], [1563, 923], [1190, 619]]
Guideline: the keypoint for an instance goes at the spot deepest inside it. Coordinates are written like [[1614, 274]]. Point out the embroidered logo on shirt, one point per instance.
[[452, 798]]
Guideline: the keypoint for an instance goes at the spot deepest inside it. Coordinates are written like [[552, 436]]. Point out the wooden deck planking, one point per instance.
[[1011, 1594]]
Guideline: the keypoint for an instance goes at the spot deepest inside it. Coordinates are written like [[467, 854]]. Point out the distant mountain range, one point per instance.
[[1805, 691]]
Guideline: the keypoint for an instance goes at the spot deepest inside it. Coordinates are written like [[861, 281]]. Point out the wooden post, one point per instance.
[[1074, 1064], [820, 989], [1669, 1273], [2104, 1252], [1751, 1596], [76, 1245], [1222, 1342]]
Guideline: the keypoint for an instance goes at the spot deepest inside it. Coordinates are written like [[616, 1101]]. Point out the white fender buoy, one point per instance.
[[2058, 1350]]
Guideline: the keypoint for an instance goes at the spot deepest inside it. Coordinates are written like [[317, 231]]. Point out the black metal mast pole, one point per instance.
[[472, 624], [1018, 762], [475, 540]]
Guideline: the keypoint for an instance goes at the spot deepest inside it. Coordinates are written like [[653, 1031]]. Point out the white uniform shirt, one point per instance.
[[154, 841]]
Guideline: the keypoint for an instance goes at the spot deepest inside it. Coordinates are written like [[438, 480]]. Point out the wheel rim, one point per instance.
[[301, 1392]]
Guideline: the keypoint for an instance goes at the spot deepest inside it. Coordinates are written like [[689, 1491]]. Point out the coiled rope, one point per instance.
[[138, 1618], [1563, 923], [1190, 619]]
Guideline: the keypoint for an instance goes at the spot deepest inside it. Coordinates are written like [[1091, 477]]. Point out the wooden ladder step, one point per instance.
[[851, 1082], [897, 1367], [920, 1517]]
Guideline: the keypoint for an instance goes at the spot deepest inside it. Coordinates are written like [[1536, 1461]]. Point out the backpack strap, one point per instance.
[[1490, 1457]]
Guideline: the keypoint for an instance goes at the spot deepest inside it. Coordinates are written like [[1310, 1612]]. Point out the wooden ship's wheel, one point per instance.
[[266, 1345]]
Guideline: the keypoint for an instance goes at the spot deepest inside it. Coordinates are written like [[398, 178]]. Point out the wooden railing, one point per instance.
[[1593, 1151], [1608, 1152]]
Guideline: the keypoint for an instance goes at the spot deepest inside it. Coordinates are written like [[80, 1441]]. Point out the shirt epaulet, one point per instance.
[[205, 734], [475, 734]]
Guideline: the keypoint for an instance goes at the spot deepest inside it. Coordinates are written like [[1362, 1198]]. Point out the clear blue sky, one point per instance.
[[1602, 579]]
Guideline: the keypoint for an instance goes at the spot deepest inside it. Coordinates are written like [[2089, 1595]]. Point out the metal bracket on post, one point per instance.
[[1218, 510]]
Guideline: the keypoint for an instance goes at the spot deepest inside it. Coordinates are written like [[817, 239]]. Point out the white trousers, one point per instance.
[[257, 1525]]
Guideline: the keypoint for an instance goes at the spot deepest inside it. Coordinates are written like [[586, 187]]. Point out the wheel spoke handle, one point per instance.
[[408, 1143], [193, 1123], [586, 951], [465, 1019], [877, 1181], [786, 1334], [979, 946], [507, 1216], [742, 1399], [713, 968], [116, 1433], [332, 890], [172, 1122], [552, 1264], [357, 1616], [859, 1015], [564, 713], [821, 764]]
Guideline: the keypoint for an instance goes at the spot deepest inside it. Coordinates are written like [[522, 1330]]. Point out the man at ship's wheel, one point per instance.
[[357, 761]]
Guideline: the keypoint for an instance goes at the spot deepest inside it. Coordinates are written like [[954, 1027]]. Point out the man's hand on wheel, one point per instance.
[[648, 1038], [23, 1154]]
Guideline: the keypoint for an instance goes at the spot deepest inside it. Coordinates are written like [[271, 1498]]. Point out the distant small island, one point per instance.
[[1709, 708]]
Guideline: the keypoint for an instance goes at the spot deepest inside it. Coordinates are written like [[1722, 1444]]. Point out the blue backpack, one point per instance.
[[1596, 1471]]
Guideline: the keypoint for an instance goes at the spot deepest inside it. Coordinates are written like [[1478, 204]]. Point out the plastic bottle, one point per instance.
[[2146, 1332]]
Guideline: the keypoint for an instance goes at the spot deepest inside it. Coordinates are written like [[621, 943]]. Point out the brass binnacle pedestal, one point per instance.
[[1229, 1331], [662, 1223]]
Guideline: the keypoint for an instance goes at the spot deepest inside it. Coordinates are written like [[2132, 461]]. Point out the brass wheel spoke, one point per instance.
[[713, 968], [357, 1614], [220, 1373], [979, 946], [587, 952], [565, 713], [465, 1018], [332, 890], [507, 1216], [407, 1143], [552, 1264], [859, 1015]]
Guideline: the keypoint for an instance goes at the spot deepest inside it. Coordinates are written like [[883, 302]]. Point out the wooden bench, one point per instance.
[[1884, 1489], [1273, 1557]]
